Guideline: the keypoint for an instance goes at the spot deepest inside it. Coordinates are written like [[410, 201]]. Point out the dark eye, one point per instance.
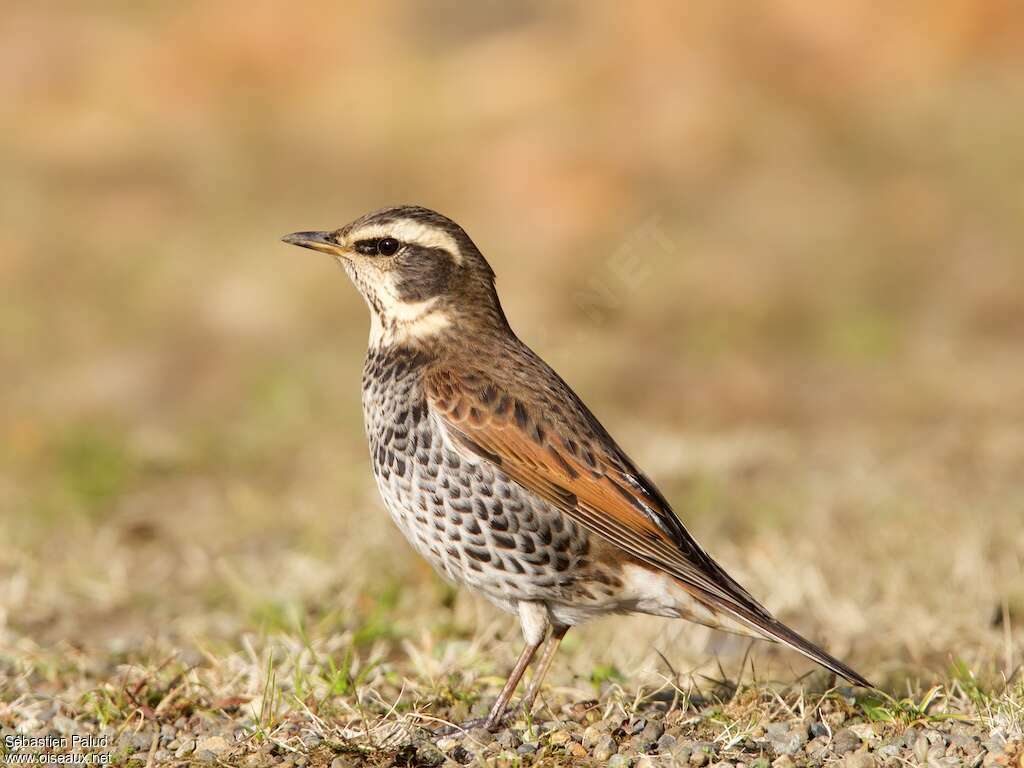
[[385, 246], [388, 246]]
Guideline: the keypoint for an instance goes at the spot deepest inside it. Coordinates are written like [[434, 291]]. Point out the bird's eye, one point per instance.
[[387, 246], [384, 246]]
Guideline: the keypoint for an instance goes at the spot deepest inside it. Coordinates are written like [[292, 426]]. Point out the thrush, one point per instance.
[[494, 469]]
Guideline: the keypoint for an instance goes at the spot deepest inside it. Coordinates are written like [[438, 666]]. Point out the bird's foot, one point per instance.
[[451, 729]]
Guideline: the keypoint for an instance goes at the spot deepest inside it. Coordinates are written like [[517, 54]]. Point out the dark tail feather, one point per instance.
[[733, 599], [776, 630]]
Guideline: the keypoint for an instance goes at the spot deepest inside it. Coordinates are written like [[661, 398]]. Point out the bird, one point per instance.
[[495, 470]]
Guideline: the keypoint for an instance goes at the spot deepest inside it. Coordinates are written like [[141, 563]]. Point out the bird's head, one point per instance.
[[419, 272]]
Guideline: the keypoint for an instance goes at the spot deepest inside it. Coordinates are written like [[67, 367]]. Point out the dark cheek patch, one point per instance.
[[423, 273]]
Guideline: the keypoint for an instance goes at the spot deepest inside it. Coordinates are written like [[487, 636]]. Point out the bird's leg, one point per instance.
[[534, 619], [557, 633], [497, 712]]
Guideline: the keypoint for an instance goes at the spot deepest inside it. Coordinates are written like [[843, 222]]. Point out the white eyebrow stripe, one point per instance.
[[409, 231]]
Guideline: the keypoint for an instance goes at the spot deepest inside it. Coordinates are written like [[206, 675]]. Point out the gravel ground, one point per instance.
[[729, 733]]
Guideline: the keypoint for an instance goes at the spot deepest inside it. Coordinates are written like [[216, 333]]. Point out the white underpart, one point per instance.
[[399, 320], [655, 592], [534, 619], [409, 231], [659, 594]]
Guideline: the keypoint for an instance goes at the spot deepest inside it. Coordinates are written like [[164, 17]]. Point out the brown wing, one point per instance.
[[553, 446], [568, 459]]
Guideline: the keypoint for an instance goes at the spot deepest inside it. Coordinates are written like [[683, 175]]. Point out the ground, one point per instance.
[[777, 250], [192, 637]]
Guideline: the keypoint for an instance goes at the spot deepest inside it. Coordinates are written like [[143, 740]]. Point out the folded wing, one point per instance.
[[560, 452]]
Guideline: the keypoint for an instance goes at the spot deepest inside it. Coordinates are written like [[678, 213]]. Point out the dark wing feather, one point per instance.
[[556, 449]]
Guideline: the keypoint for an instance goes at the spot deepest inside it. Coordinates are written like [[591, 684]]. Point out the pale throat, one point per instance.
[[407, 321], [394, 320]]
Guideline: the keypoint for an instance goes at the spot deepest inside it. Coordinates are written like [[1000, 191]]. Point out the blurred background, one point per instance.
[[778, 250]]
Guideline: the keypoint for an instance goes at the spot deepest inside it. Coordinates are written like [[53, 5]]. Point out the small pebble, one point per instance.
[[785, 761], [575, 749], [558, 738], [860, 760], [460, 755], [480, 735], [666, 744], [817, 746], [921, 748], [427, 753], [995, 743], [845, 741], [680, 753], [214, 744], [889, 750], [652, 731], [967, 742], [508, 739], [65, 725], [448, 743], [627, 748], [785, 739], [605, 748], [818, 729], [618, 761], [142, 741], [866, 731], [935, 737], [310, 740], [592, 735]]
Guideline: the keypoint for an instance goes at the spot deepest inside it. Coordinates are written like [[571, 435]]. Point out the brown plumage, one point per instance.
[[495, 469]]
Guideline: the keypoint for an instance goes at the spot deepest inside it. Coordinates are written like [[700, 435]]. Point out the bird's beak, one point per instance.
[[318, 241]]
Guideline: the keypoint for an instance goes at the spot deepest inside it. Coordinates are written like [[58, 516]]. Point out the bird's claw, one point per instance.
[[450, 729]]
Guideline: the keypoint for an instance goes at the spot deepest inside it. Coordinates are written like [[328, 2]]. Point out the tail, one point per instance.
[[774, 629], [733, 600]]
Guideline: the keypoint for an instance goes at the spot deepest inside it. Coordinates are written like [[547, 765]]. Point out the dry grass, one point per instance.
[[778, 253]]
